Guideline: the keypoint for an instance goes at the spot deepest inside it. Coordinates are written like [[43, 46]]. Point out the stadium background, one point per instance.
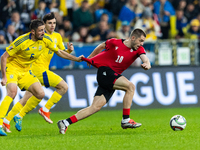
[[160, 87], [171, 82]]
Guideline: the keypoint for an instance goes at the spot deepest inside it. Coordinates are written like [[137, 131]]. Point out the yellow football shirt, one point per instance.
[[24, 51], [44, 60]]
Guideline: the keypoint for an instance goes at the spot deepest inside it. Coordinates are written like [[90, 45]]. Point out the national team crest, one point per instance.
[[131, 50], [55, 40], [40, 47], [11, 76]]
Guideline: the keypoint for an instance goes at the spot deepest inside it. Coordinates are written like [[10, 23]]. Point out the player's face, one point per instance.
[[137, 42], [50, 25], [39, 33]]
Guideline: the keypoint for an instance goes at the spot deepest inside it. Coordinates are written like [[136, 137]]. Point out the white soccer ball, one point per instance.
[[177, 123]]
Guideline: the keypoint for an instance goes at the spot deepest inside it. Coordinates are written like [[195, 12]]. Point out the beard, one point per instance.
[[39, 37], [134, 46]]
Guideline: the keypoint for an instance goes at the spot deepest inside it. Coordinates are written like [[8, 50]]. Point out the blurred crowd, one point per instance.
[[90, 21]]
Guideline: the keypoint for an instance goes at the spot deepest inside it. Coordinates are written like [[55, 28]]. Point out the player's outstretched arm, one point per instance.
[[146, 64], [65, 55], [3, 67], [97, 50]]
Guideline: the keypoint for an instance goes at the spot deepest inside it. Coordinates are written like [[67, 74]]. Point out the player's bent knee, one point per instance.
[[12, 90], [65, 88], [62, 87], [131, 87], [40, 95], [12, 94]]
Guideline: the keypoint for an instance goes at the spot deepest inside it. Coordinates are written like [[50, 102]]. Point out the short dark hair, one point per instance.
[[85, 1], [35, 24], [138, 33], [48, 16], [15, 11]]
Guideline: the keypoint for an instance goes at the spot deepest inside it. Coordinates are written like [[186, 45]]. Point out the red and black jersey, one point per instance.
[[117, 56]]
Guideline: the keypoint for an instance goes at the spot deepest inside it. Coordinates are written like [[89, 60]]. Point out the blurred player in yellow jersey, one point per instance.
[[15, 64], [40, 69]]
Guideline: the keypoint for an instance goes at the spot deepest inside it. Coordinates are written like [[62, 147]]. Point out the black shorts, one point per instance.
[[106, 78]]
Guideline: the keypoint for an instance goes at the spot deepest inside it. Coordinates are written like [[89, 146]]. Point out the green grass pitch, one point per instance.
[[102, 131]]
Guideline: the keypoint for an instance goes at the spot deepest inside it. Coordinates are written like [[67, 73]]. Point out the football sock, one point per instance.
[[71, 119], [15, 110], [66, 122], [53, 100], [18, 116], [45, 109], [126, 113], [4, 108], [6, 121], [125, 120], [30, 105]]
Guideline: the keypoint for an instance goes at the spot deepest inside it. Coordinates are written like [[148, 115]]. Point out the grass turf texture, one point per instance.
[[102, 131]]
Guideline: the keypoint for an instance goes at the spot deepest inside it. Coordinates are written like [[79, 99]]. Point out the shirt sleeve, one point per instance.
[[14, 47], [52, 46], [109, 43], [141, 50], [60, 45]]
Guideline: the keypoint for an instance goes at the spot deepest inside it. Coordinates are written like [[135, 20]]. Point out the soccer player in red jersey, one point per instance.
[[118, 56]]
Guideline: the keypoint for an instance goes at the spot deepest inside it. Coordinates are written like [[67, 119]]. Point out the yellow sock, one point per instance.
[[53, 100], [30, 105], [4, 108], [15, 110]]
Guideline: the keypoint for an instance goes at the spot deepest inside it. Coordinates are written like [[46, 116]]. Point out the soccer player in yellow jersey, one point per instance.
[[15, 64], [40, 69]]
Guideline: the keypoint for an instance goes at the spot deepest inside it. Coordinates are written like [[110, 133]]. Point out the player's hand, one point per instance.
[[145, 66], [88, 64], [3, 81], [80, 58], [70, 47]]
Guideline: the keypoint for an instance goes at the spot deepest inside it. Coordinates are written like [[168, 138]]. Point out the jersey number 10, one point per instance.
[[119, 59]]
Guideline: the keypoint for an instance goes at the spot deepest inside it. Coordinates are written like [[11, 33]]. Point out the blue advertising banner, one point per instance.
[[162, 87]]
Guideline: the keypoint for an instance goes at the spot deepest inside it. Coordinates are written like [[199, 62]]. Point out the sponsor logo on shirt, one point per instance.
[[116, 48], [131, 50], [27, 49]]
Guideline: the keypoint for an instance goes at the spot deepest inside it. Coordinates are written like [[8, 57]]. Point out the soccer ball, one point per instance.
[[177, 123]]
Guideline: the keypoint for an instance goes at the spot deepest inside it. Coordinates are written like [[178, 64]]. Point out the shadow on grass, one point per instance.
[[74, 132]]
